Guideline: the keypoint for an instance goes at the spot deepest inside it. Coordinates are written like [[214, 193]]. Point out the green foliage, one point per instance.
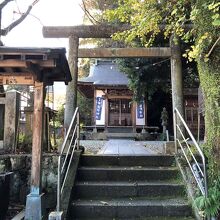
[[84, 67], [215, 9], [210, 205], [85, 109], [149, 18], [59, 118], [24, 143], [146, 18], [146, 76]]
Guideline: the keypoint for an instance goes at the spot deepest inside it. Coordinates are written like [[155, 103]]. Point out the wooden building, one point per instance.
[[113, 104], [194, 109]]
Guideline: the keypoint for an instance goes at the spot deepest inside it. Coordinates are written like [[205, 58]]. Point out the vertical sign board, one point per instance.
[[140, 110], [99, 104]]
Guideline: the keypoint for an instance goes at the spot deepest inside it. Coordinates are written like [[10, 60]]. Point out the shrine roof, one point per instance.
[[105, 73], [45, 64]]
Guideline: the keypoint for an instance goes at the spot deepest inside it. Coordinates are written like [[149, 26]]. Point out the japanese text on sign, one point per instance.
[[99, 103], [140, 109]]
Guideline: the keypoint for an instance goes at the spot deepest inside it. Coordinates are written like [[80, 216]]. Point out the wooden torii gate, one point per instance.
[[105, 31]]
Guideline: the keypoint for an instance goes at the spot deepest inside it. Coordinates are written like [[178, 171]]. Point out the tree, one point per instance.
[[197, 22], [5, 31], [146, 76], [93, 10]]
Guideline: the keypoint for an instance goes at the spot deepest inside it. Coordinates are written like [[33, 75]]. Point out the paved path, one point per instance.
[[130, 147]]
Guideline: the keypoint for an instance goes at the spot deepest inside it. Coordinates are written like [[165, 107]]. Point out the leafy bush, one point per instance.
[[25, 143], [210, 206]]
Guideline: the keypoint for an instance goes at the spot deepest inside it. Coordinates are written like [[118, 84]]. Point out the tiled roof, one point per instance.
[[105, 73]]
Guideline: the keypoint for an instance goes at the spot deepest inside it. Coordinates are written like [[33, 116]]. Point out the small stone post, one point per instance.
[[12, 107], [164, 123], [2, 116]]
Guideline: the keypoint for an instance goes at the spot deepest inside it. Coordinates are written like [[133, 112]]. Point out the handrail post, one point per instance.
[[204, 189], [175, 130], [205, 180], [72, 133], [59, 183], [78, 131]]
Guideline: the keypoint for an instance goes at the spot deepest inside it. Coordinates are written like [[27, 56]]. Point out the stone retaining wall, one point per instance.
[[20, 165]]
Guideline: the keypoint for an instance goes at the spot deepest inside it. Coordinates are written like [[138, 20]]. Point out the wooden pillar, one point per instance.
[[34, 209], [94, 109], [176, 76], [71, 91], [134, 113], [2, 113], [106, 113], [145, 111], [94, 130]]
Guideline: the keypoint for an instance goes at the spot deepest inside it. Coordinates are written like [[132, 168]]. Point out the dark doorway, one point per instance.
[[155, 106], [2, 113], [120, 112]]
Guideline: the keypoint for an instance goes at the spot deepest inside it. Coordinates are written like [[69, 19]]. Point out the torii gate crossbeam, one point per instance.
[[124, 52]]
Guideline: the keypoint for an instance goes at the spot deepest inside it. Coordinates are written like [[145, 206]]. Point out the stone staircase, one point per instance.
[[129, 187]]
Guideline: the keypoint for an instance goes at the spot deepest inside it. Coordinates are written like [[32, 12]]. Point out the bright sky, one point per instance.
[[44, 13], [49, 13]]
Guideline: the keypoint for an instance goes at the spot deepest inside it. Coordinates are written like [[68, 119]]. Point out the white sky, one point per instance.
[[49, 12], [29, 32]]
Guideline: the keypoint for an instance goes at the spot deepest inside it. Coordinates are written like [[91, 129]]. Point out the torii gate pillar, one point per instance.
[[71, 91], [176, 76]]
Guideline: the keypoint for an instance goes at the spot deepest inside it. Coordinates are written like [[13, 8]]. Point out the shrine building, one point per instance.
[[114, 107], [113, 104]]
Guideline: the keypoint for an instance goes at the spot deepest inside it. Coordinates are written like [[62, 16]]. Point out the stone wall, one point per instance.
[[20, 165]]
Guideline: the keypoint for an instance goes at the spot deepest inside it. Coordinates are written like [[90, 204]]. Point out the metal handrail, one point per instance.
[[71, 142], [200, 174]]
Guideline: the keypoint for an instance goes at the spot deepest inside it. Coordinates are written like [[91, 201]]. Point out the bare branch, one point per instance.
[[4, 3], [6, 30], [213, 46], [88, 14]]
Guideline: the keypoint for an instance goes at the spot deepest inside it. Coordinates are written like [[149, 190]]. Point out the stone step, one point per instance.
[[126, 173], [121, 135], [112, 189], [123, 130], [130, 207], [109, 160], [147, 218]]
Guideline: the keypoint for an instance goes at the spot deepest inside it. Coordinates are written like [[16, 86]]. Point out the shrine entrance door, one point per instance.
[[120, 112]]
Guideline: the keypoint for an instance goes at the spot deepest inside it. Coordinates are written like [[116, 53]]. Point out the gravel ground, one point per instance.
[[157, 146], [94, 146]]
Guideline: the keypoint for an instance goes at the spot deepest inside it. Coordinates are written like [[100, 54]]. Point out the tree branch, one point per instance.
[[4, 3], [6, 30], [88, 14], [213, 46]]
